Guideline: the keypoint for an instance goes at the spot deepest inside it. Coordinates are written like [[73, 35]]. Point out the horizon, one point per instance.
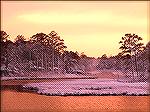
[[75, 21]]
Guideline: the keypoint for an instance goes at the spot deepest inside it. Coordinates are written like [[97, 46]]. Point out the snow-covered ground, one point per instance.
[[90, 86], [82, 84]]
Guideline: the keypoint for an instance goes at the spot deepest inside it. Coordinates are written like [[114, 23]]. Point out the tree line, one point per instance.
[[48, 53], [42, 52], [134, 58]]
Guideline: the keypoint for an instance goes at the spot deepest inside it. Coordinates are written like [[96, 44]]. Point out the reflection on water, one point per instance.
[[12, 101]]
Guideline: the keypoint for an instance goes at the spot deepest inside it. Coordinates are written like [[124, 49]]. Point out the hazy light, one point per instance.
[[91, 27]]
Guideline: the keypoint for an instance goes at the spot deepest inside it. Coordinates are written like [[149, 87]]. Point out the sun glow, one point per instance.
[[91, 27]]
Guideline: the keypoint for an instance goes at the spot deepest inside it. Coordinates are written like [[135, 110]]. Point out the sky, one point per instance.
[[92, 27]]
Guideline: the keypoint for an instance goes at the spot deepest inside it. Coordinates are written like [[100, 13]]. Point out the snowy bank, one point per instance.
[[90, 86]]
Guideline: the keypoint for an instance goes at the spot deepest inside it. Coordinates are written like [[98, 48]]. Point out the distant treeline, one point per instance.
[[133, 59], [41, 52], [48, 53]]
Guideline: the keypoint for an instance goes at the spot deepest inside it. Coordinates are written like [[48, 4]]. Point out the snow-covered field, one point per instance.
[[84, 84], [90, 86]]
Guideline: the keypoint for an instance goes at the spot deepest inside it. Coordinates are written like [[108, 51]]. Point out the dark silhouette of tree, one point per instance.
[[71, 61], [4, 36], [39, 38], [57, 45], [22, 51], [52, 41], [56, 42], [148, 49], [4, 48], [103, 62], [131, 46], [104, 56], [4, 44], [7, 52], [8, 56], [20, 39], [82, 56], [84, 62]]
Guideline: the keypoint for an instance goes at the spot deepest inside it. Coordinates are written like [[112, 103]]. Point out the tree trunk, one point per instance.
[[132, 63], [136, 67], [53, 61]]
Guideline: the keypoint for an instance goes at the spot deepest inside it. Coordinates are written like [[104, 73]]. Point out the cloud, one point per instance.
[[65, 18], [95, 18]]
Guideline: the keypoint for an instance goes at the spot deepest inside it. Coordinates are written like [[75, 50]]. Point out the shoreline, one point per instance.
[[15, 98], [34, 90], [104, 83], [22, 86], [41, 78], [35, 80]]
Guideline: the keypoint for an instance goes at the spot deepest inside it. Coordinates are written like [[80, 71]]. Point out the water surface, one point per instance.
[[12, 101]]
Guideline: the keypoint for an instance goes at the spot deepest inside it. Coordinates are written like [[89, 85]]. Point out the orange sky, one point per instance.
[[94, 28]]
